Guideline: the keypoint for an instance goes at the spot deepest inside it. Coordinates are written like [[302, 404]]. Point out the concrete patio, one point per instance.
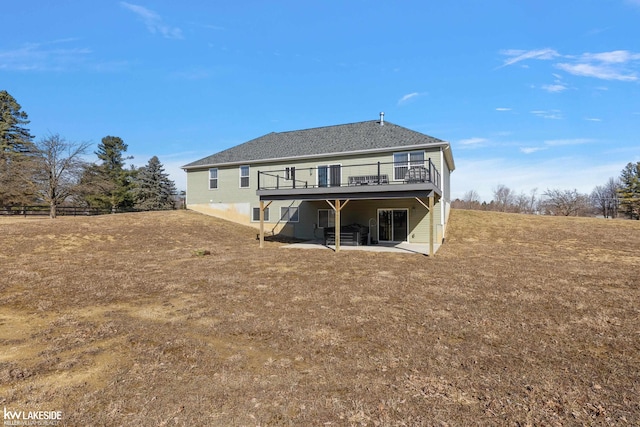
[[403, 247]]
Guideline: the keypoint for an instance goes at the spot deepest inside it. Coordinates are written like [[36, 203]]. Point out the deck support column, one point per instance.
[[262, 208], [337, 208], [431, 230], [261, 224], [431, 220]]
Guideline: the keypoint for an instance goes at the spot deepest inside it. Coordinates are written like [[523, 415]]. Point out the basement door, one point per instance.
[[393, 225]]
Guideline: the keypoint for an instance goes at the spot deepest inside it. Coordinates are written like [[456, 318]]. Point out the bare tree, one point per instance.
[[60, 166], [471, 200], [605, 198], [503, 198], [534, 202], [565, 202], [521, 203]]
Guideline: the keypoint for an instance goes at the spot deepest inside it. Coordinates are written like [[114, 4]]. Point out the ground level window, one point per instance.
[[289, 214], [256, 214], [326, 218]]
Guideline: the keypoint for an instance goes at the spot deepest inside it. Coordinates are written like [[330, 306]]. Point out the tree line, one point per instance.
[[617, 196], [53, 171]]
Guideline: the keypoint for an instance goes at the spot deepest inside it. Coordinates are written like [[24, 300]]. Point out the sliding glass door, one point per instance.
[[393, 225], [329, 176]]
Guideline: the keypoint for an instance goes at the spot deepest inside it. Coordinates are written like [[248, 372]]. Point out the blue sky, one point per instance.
[[531, 94]]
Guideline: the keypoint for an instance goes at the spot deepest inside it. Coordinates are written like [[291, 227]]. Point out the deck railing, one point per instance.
[[338, 175]]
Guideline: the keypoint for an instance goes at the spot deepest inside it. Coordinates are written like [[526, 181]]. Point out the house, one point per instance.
[[389, 183]]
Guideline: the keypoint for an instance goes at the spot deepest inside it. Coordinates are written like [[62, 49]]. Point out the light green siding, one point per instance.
[[365, 212], [231, 202]]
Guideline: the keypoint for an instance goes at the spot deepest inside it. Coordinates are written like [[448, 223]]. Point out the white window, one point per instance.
[[289, 173], [256, 215], [403, 161], [289, 214], [213, 179], [326, 218], [244, 176]]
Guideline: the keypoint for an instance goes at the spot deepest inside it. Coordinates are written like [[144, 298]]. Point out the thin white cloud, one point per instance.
[[554, 143], [621, 65], [529, 150], [554, 88], [593, 119], [44, 56], [613, 57], [153, 21], [548, 114], [473, 141], [598, 71], [406, 98], [212, 27], [573, 141], [503, 109], [514, 55]]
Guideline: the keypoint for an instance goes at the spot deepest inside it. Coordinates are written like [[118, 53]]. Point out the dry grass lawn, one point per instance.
[[518, 320]]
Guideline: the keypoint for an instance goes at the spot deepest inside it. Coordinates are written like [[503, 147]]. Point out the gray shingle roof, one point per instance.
[[361, 136]]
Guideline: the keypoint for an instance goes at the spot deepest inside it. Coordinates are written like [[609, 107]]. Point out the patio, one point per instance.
[[403, 247]]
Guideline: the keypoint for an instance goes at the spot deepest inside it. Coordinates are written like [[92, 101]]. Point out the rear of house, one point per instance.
[[387, 182]]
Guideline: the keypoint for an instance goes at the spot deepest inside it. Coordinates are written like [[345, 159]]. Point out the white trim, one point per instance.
[[217, 178], [288, 208], [267, 215], [248, 176], [442, 187], [408, 153]]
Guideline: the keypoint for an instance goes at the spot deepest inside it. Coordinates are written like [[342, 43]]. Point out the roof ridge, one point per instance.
[[321, 140], [330, 126]]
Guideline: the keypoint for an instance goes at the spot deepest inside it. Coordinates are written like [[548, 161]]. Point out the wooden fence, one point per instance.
[[42, 210]]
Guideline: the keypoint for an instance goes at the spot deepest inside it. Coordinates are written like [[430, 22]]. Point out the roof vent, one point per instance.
[[381, 118]]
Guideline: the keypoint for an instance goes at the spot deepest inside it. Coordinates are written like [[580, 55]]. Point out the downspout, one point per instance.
[[443, 218]]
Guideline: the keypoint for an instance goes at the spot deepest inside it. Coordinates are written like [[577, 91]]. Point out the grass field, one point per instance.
[[518, 320]]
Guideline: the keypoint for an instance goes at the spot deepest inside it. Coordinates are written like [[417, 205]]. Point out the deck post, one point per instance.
[[431, 233], [337, 208], [337, 224], [262, 208], [261, 224]]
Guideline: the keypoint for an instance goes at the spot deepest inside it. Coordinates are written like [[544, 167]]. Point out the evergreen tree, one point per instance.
[[154, 190], [108, 184], [16, 147], [629, 191], [110, 151]]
